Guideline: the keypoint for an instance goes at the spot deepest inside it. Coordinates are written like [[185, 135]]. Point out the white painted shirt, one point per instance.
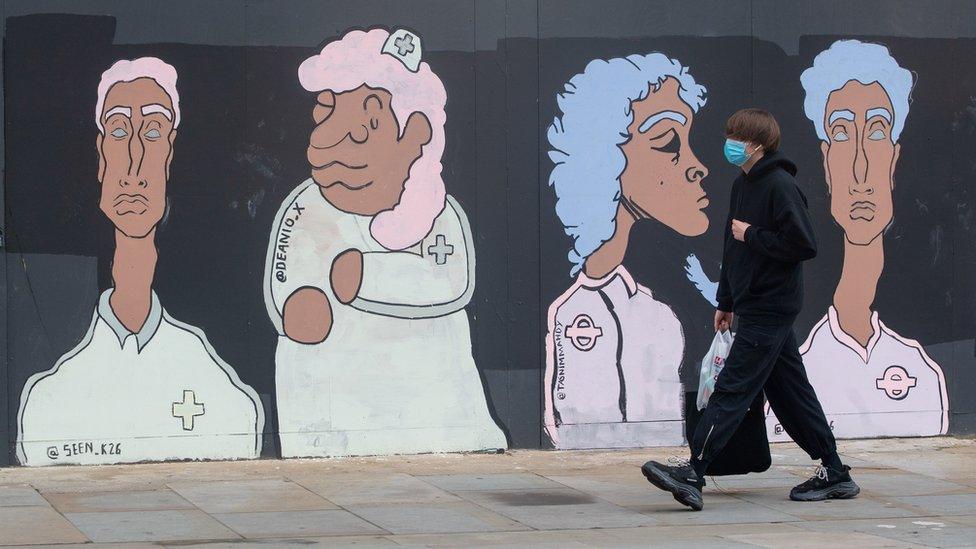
[[395, 374], [890, 388], [119, 397], [612, 358]]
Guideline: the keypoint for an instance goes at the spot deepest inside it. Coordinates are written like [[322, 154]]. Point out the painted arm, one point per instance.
[[435, 278]]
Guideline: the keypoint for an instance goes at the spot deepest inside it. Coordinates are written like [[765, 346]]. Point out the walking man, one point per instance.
[[768, 236]]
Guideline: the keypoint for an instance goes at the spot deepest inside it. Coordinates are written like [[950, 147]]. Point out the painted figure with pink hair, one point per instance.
[[370, 265]]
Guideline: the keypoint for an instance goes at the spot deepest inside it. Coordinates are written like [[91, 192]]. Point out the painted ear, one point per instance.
[[418, 131], [894, 160], [824, 147], [101, 158], [169, 158]]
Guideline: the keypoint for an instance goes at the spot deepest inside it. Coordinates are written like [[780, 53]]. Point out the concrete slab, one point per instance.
[[442, 518], [476, 482], [950, 504], [126, 526], [719, 509], [899, 483], [365, 489], [818, 541], [155, 500], [250, 496], [557, 509], [19, 496], [863, 506], [342, 542], [298, 524], [26, 525], [927, 531]]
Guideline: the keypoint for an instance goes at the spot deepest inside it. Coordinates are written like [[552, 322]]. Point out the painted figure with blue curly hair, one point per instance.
[[622, 155]]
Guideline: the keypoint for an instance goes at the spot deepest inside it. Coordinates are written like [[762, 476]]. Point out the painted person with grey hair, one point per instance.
[[622, 156], [768, 236], [872, 381]]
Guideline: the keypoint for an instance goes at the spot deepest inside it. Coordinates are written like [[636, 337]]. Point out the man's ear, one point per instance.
[[169, 158], [824, 147], [894, 160], [417, 132], [101, 158]]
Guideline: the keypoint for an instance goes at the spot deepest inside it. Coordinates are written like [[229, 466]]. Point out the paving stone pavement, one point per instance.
[[915, 493]]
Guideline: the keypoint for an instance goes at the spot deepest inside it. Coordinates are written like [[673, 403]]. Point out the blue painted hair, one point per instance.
[[585, 141]]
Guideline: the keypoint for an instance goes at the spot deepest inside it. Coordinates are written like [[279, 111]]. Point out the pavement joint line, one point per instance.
[[351, 512]]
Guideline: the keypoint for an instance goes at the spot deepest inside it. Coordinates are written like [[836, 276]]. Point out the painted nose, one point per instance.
[[324, 107], [696, 172], [860, 183]]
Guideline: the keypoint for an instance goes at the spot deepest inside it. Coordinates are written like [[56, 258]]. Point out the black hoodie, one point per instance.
[[762, 278]]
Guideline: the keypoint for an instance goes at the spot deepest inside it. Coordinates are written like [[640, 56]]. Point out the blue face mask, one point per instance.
[[735, 152]]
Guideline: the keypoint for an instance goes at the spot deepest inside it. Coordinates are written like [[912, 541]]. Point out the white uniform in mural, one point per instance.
[[612, 359], [891, 387], [395, 374], [622, 155], [871, 381], [140, 386], [120, 397]]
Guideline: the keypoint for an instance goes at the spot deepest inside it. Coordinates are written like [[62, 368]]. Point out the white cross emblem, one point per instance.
[[404, 44], [188, 409], [440, 249]]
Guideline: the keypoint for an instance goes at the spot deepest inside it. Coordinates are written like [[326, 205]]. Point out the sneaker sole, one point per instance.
[[844, 490], [684, 495]]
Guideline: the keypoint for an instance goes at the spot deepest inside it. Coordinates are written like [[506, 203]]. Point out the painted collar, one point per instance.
[[844, 338], [596, 283], [148, 328]]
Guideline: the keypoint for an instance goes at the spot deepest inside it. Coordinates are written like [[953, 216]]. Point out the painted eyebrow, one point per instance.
[[156, 107], [840, 115], [663, 115], [124, 111], [879, 111]]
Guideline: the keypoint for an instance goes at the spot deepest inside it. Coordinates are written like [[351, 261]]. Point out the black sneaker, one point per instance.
[[682, 481], [827, 483]]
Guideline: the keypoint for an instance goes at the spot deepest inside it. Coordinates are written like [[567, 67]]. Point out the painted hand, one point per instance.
[[739, 230], [347, 275]]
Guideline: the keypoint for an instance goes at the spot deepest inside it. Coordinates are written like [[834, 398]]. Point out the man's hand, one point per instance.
[[739, 230], [723, 321]]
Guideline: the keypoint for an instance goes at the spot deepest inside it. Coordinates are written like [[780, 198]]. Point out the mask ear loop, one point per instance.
[[755, 151]]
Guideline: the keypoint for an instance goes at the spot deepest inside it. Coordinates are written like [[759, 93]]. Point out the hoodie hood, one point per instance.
[[770, 162]]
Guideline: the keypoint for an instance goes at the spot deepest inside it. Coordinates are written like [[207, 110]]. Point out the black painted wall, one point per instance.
[[245, 127]]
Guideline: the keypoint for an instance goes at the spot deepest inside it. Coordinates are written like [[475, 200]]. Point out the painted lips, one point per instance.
[[862, 209], [131, 204]]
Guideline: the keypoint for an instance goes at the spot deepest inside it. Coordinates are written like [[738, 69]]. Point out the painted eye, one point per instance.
[[877, 135], [153, 134], [840, 136], [119, 133]]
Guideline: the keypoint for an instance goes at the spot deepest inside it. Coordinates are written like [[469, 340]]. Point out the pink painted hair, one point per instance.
[[356, 59], [145, 67]]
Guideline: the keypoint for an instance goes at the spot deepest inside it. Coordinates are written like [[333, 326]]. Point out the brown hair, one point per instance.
[[755, 126]]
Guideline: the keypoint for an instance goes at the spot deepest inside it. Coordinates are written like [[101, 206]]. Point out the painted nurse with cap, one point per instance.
[[370, 265]]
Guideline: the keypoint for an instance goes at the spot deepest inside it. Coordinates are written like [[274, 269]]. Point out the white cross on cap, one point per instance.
[[405, 46]]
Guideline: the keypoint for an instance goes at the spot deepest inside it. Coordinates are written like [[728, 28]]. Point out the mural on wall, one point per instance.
[[622, 155], [871, 381], [140, 385], [370, 265]]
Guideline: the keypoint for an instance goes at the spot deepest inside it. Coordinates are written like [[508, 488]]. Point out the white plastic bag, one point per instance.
[[711, 366]]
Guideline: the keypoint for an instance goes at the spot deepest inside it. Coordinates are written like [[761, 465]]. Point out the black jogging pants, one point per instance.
[[764, 356]]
